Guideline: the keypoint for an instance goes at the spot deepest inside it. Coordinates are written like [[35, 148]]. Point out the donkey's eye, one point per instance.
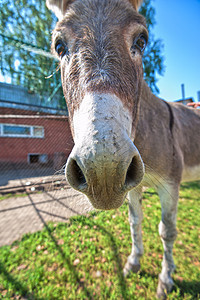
[[141, 43], [61, 49]]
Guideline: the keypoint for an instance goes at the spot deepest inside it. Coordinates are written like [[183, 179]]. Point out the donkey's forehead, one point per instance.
[[59, 7], [119, 13]]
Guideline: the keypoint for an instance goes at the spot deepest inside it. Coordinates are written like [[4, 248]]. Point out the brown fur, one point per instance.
[[93, 52], [179, 144], [59, 7]]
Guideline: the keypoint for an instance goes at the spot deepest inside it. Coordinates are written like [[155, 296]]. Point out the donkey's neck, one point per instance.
[[153, 129], [152, 109], [148, 99], [153, 112]]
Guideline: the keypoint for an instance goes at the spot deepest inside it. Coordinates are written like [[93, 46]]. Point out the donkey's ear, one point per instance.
[[58, 7], [136, 3]]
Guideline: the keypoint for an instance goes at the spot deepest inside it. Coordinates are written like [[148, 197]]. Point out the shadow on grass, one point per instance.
[[112, 244], [186, 287], [66, 260], [189, 287], [190, 185], [114, 248], [17, 285], [20, 287], [64, 257], [148, 274]]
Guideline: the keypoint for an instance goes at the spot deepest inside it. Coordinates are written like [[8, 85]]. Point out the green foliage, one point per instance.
[[29, 24], [84, 258], [153, 59]]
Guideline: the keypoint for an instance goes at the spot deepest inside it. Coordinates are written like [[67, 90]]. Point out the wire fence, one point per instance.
[[35, 138], [35, 142]]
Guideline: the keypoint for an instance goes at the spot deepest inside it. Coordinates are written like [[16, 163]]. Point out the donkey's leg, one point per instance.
[[167, 230], [135, 219]]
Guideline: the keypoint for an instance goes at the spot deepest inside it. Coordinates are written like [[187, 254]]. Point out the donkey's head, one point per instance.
[[100, 45]]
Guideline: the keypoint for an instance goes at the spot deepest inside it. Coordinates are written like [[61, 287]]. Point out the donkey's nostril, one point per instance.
[[75, 175], [134, 173]]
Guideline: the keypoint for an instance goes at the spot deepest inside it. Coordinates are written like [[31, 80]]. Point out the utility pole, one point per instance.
[[183, 90]]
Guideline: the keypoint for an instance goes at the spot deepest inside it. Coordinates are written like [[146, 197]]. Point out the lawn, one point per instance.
[[84, 258]]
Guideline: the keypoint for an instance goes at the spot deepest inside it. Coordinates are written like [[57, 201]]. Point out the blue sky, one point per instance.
[[178, 25]]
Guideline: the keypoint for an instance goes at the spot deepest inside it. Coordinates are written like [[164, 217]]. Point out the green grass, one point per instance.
[[10, 195], [84, 258], [17, 195]]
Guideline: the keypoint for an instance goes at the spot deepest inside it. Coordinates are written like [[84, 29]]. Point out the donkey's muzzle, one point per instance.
[[105, 178]]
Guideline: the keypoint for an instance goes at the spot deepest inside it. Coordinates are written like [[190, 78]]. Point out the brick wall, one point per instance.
[[57, 137]]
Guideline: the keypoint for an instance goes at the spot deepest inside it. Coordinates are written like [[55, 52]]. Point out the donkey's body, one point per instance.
[[167, 137], [118, 125]]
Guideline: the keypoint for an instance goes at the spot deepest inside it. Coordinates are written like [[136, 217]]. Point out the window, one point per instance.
[[33, 158], [37, 158], [16, 130], [38, 131], [27, 131]]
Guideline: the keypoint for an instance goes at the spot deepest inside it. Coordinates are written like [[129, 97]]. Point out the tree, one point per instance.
[[25, 38], [153, 60], [28, 24]]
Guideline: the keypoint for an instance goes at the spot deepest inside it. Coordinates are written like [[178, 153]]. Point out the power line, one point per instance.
[[29, 47]]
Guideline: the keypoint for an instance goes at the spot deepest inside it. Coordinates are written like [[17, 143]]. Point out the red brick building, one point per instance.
[[28, 136]]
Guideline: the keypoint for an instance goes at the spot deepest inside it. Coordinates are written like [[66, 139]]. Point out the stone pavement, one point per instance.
[[20, 215], [14, 175]]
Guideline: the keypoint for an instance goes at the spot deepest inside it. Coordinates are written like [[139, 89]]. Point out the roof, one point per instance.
[[185, 101], [18, 97]]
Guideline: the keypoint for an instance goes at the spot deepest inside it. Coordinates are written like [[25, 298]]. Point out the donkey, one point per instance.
[[125, 137]]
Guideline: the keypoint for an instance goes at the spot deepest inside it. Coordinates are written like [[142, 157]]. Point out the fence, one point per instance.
[[35, 138], [32, 142]]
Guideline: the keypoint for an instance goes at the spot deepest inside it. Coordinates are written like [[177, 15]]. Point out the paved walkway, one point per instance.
[[22, 215], [14, 176]]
